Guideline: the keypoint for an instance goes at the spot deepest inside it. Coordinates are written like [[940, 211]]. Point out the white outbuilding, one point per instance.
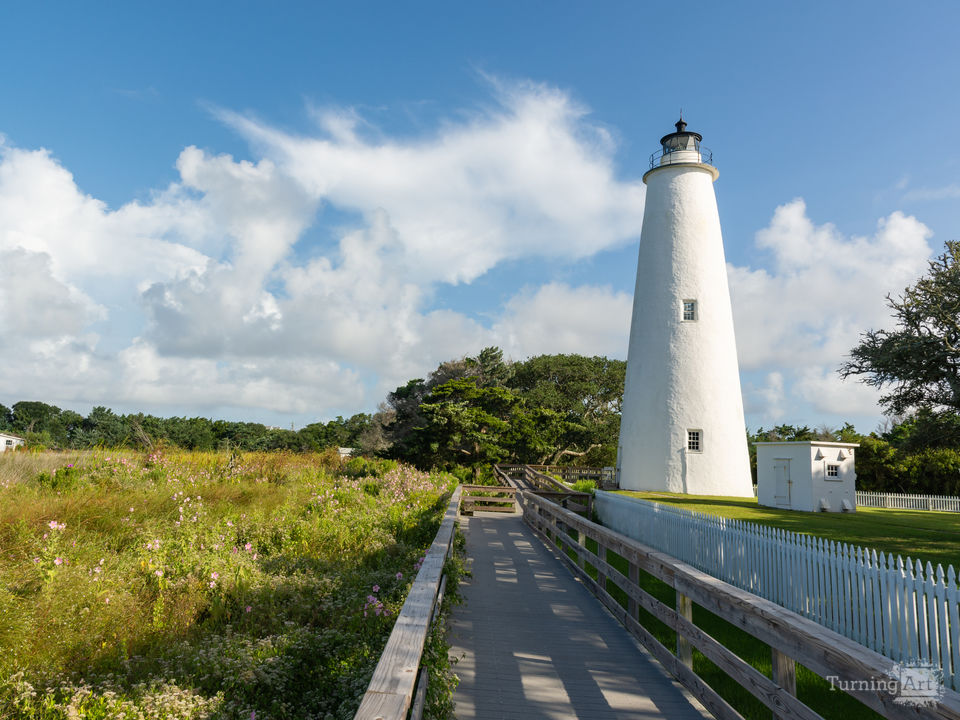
[[9, 442], [807, 475]]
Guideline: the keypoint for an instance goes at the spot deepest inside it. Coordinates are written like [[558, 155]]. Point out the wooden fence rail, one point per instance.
[[791, 637], [605, 477], [488, 498], [548, 486], [391, 690], [895, 606]]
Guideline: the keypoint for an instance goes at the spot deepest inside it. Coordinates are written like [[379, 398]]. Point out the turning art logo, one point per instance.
[[914, 684], [919, 684]]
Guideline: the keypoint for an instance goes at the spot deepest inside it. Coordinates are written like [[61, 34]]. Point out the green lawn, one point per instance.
[[929, 536]]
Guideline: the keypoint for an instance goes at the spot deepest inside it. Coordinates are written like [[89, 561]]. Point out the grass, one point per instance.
[[195, 585], [929, 536]]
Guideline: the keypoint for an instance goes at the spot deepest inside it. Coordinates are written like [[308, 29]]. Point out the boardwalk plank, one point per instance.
[[533, 642]]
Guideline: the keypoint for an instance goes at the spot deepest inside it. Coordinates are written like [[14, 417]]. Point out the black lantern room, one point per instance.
[[681, 139]]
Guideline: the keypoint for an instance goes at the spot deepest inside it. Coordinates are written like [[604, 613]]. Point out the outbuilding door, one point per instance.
[[781, 474]]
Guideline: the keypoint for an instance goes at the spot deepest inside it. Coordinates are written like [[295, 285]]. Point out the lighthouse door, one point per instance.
[[781, 474]]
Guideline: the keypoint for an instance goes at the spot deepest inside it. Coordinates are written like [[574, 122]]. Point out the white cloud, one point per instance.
[[556, 318], [213, 293], [801, 317], [529, 177], [947, 192]]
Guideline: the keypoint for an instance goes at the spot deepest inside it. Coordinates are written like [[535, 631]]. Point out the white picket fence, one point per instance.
[[896, 607], [906, 501]]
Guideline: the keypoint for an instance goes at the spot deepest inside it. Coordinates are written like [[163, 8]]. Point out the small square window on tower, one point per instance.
[[689, 309], [833, 470], [695, 440]]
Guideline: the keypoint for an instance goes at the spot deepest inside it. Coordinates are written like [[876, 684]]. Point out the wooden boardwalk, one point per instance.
[[534, 643]]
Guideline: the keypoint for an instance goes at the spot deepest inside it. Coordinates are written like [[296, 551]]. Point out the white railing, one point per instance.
[[906, 501], [901, 609]]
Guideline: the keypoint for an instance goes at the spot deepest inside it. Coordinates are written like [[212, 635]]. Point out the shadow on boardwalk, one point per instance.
[[534, 643]]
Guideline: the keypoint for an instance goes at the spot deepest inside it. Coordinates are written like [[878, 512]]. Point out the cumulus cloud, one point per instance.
[[214, 292], [233, 288], [531, 176], [557, 318], [822, 289]]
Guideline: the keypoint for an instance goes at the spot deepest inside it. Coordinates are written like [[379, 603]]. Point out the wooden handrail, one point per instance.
[[792, 637], [391, 689]]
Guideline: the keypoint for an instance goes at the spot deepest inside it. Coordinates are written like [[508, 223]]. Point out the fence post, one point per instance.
[[634, 576], [784, 675], [601, 575], [582, 542], [684, 648]]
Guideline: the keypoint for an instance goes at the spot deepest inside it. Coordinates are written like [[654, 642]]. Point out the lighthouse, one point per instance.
[[682, 427]]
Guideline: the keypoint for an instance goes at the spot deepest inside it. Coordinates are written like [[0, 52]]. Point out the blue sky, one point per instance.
[[278, 213]]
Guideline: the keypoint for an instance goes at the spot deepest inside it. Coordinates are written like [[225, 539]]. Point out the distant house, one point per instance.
[[9, 442]]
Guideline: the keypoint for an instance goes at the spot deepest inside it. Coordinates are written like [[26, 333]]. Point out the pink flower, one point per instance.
[[213, 583], [58, 561], [248, 608], [215, 575], [399, 576], [158, 573], [248, 547], [376, 588], [107, 600]]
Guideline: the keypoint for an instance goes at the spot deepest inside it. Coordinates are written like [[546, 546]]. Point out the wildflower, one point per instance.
[[58, 561], [399, 576], [213, 583], [101, 561], [36, 560], [215, 575], [248, 608], [107, 600], [158, 573], [376, 588], [96, 569], [131, 509], [54, 525], [248, 547]]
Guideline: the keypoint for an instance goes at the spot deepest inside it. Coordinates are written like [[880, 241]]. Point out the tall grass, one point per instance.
[[194, 585]]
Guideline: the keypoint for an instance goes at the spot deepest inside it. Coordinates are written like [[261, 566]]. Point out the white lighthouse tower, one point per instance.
[[682, 427]]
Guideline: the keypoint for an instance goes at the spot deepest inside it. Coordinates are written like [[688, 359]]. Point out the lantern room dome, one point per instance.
[[682, 146]]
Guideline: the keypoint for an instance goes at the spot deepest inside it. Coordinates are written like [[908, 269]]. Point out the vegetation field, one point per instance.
[[189, 585], [927, 536]]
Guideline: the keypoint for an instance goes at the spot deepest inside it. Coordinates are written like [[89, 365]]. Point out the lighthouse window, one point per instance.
[[695, 440], [833, 470], [689, 309]]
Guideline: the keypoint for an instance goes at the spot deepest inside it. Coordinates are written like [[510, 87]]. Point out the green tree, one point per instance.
[[103, 427], [585, 393], [917, 363]]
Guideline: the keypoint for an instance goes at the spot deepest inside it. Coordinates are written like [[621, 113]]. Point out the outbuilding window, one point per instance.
[[689, 310], [695, 440], [833, 471]]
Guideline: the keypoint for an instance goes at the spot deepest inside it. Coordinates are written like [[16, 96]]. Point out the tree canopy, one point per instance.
[[918, 362]]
